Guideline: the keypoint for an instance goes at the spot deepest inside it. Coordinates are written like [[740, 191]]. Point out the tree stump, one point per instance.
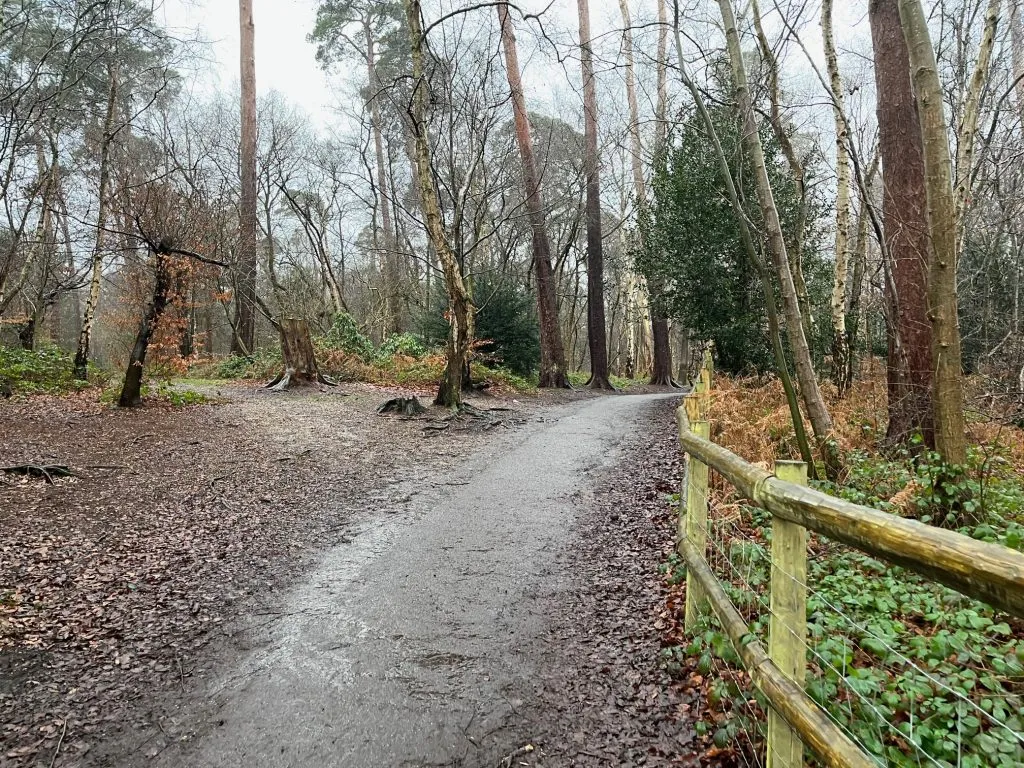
[[407, 406], [300, 368]]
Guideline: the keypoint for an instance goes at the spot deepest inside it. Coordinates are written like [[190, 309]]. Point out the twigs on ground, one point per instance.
[[45, 471], [63, 730]]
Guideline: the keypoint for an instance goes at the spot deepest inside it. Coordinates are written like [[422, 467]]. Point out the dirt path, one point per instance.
[[415, 642], [121, 587]]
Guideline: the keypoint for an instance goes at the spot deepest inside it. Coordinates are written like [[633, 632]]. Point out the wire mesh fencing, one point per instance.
[[912, 672]]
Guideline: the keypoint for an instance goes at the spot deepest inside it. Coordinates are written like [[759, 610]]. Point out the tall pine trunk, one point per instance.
[[904, 205], [244, 340], [389, 250], [814, 402], [948, 398], [552, 350], [596, 334]]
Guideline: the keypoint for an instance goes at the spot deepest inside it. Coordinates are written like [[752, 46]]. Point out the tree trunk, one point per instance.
[[300, 366], [796, 169], [948, 399], [860, 257], [909, 367], [460, 305], [244, 339], [81, 368], [131, 391], [389, 260], [661, 373], [596, 334], [661, 79], [821, 420], [968, 128], [552, 350], [746, 236], [840, 343]]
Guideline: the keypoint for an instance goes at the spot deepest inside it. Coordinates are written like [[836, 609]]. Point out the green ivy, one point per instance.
[[46, 369], [905, 665]]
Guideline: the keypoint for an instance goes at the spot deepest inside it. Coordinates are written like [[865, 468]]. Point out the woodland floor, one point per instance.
[[126, 589]]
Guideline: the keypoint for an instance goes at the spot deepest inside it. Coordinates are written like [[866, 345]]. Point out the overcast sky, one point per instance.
[[285, 60]]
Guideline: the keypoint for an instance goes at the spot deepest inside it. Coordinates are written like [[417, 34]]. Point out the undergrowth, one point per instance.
[[344, 354], [45, 370], [918, 674]]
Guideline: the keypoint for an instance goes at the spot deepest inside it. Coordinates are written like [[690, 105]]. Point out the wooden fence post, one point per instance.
[[787, 629], [695, 527]]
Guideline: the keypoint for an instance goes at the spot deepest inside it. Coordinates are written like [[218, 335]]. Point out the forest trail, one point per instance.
[[414, 643]]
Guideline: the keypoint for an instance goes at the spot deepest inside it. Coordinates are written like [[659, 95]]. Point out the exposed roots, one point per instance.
[[469, 417], [290, 379]]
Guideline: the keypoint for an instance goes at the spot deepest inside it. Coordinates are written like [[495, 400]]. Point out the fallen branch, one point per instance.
[[63, 730], [45, 471]]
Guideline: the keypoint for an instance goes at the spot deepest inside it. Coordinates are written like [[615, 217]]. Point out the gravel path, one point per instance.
[[419, 642]]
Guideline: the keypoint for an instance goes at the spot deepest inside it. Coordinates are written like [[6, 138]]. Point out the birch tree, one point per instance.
[[81, 365], [840, 345]]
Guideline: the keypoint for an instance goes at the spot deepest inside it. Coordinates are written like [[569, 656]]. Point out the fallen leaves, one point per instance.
[[114, 585], [604, 698]]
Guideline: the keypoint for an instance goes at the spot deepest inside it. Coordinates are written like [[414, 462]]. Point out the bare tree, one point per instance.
[[821, 420], [85, 337], [661, 373], [460, 304]]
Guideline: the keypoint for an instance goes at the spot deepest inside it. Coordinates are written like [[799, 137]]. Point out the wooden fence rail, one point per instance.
[[988, 572]]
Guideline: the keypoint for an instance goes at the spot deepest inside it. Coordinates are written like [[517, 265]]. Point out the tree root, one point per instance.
[[474, 418], [45, 471], [290, 378]]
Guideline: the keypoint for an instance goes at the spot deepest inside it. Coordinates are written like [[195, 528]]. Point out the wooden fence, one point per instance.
[[988, 572]]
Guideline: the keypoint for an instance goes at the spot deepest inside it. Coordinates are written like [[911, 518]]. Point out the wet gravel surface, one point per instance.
[[483, 598], [420, 642], [123, 587]]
